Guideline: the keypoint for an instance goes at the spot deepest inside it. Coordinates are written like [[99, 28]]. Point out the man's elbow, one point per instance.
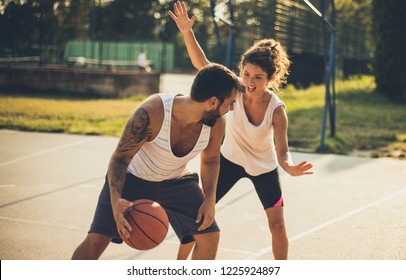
[[212, 160], [118, 159]]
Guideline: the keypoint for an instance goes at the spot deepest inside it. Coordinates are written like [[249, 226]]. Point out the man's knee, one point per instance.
[[208, 240], [92, 247], [206, 246]]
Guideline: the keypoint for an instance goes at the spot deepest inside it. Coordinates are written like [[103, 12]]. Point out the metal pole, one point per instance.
[[230, 49], [329, 64], [216, 29], [326, 78], [333, 71], [321, 15]]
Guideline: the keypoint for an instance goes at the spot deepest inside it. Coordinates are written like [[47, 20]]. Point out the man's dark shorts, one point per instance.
[[181, 199]]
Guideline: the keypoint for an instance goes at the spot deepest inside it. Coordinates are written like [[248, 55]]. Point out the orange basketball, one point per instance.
[[149, 224]]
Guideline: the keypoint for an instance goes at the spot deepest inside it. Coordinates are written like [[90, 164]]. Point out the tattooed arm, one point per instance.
[[136, 132]]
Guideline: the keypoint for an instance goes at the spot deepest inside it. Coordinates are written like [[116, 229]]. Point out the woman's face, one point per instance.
[[254, 78]]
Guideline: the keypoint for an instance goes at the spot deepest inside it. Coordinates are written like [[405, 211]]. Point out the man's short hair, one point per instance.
[[214, 80]]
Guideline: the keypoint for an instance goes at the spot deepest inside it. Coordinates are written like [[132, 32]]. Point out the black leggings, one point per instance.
[[266, 185]]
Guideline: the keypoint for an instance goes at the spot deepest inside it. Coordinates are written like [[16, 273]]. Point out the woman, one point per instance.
[[256, 132]]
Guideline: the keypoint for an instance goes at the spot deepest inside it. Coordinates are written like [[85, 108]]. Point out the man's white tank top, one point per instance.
[[155, 160], [248, 145]]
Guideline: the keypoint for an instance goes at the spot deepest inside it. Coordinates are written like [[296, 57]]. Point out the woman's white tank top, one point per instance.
[[248, 145]]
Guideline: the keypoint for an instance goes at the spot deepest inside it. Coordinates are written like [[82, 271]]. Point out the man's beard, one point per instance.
[[210, 117]]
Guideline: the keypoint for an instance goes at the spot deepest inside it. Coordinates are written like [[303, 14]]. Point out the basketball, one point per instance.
[[149, 224]]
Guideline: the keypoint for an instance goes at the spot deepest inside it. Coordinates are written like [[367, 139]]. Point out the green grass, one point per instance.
[[91, 117], [365, 120]]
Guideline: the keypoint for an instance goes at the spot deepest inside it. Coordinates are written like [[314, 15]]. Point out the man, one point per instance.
[[163, 134], [143, 62]]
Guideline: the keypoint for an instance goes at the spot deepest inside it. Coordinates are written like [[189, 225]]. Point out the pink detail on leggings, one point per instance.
[[279, 203]]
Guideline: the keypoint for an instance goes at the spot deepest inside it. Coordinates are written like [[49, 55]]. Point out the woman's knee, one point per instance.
[[276, 220], [277, 227]]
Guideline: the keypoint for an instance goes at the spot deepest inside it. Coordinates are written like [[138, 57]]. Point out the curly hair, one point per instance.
[[272, 58]]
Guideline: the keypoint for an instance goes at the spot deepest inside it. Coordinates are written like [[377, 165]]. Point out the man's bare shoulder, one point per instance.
[[151, 102], [153, 107]]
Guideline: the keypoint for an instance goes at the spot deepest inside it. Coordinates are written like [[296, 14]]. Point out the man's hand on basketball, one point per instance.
[[298, 169], [181, 18], [206, 212], [119, 207]]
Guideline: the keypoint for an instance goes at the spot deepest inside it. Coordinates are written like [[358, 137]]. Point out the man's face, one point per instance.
[[210, 117]]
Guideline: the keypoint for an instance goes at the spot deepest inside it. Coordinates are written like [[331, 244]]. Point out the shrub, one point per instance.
[[390, 51]]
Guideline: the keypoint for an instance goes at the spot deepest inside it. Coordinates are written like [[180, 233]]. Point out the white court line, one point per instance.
[[85, 229], [47, 151], [219, 249], [48, 185], [88, 186], [42, 223], [7, 186], [268, 249]]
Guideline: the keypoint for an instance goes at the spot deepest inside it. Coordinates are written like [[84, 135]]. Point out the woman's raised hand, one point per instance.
[[181, 18]]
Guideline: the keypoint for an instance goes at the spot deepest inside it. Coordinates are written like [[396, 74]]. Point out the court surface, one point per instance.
[[350, 209]]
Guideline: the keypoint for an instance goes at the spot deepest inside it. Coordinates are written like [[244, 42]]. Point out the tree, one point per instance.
[[390, 51], [358, 13], [18, 23], [129, 20]]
